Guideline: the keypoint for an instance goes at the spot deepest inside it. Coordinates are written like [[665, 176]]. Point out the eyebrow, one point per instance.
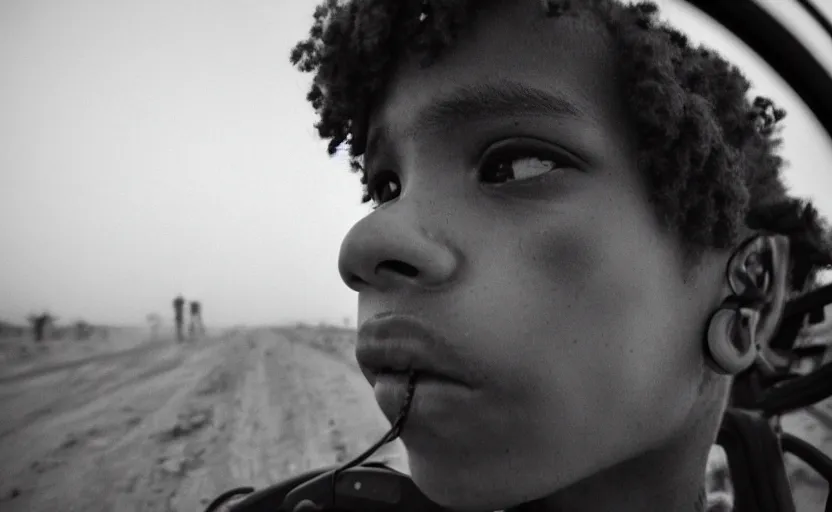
[[480, 102]]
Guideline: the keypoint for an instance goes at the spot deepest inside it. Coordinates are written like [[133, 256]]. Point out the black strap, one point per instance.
[[798, 393], [758, 472]]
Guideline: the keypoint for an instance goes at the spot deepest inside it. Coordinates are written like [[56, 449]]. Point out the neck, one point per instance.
[[667, 479]]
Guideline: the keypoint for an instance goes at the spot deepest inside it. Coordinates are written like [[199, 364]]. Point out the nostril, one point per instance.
[[355, 282], [399, 267]]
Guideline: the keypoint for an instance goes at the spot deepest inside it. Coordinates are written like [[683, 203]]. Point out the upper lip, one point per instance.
[[397, 343]]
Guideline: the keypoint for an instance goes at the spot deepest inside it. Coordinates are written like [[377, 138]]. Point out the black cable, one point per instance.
[[795, 313], [390, 436], [226, 496], [808, 302], [798, 393]]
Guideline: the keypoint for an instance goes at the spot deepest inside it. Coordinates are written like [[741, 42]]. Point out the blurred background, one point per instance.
[[155, 148]]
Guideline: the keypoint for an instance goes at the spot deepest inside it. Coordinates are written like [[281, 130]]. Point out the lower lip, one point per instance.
[[433, 395]]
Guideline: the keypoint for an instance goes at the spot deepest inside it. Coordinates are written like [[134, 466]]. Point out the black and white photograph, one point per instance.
[[416, 255]]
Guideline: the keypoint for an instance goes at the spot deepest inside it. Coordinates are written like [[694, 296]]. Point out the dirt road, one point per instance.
[[167, 427]]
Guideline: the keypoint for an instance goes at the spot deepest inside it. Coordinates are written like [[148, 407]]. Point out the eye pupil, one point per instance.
[[504, 168], [393, 188]]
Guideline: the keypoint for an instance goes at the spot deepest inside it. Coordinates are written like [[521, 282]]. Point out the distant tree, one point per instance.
[[83, 330], [11, 330]]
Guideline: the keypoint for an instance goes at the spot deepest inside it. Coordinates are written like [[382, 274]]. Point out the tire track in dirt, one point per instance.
[[256, 422], [333, 416], [294, 408], [214, 476], [89, 382], [186, 434], [44, 416], [251, 409], [358, 411], [178, 447], [112, 449], [69, 365]]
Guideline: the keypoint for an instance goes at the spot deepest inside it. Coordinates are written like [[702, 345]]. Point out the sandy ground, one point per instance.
[[128, 424], [166, 427]]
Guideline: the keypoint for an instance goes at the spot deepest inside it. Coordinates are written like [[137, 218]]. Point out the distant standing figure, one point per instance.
[[196, 319], [40, 324], [179, 314]]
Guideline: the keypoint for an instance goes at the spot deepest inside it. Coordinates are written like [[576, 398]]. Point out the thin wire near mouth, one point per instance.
[[391, 435], [399, 423]]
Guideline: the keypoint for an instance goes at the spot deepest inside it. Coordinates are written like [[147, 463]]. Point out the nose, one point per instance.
[[384, 251]]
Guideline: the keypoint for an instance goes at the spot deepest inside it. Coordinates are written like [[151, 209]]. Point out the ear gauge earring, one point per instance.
[[730, 341], [730, 344]]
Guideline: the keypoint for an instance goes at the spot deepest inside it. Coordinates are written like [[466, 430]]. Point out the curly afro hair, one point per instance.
[[709, 153]]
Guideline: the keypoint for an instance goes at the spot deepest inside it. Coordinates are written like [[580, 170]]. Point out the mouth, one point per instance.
[[392, 371], [391, 374], [391, 347], [412, 400]]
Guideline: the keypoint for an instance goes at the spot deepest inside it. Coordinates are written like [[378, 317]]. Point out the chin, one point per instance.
[[461, 486], [461, 501], [447, 487], [459, 489]]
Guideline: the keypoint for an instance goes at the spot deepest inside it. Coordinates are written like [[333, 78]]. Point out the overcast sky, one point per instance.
[[161, 147]]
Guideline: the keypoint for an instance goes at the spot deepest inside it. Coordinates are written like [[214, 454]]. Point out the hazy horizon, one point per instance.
[[153, 149]]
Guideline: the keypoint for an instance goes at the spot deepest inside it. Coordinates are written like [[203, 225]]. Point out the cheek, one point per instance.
[[581, 330], [606, 322]]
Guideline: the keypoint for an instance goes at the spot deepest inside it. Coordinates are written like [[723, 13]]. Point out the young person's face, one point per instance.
[[555, 292]]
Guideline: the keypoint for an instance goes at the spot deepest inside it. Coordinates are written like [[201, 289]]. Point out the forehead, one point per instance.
[[566, 64]]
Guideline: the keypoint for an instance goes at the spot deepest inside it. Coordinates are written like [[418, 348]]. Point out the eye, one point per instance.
[[520, 159], [383, 187]]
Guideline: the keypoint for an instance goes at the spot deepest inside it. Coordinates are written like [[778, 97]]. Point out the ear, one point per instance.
[[759, 271]]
